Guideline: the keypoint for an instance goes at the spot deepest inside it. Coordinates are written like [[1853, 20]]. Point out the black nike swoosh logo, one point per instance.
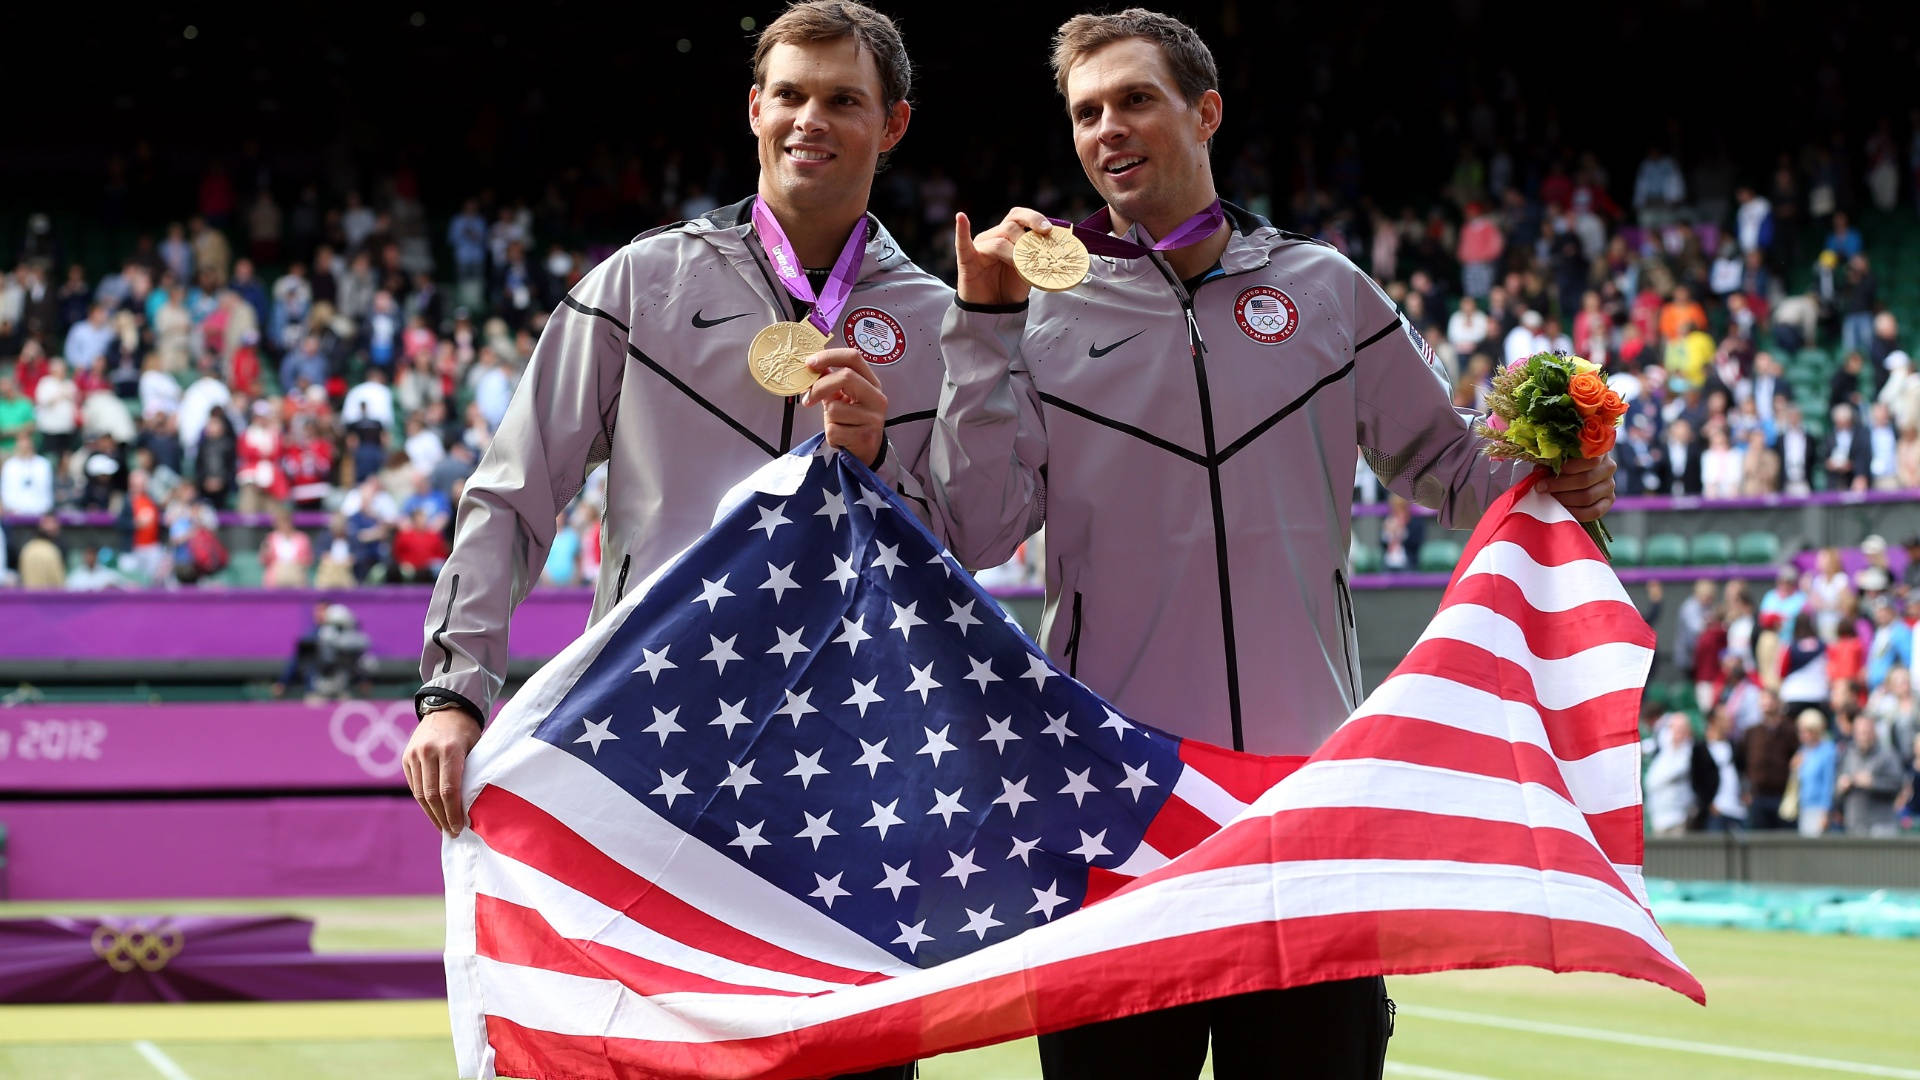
[[1097, 352], [701, 324]]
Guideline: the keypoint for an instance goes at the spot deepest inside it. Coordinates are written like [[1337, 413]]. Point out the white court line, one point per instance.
[[1684, 1046], [1422, 1072], [160, 1061]]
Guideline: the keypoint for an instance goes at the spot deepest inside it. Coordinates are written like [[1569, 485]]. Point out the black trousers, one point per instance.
[[1328, 1031]]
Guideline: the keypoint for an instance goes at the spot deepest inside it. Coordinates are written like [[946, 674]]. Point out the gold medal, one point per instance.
[[1054, 260], [778, 356]]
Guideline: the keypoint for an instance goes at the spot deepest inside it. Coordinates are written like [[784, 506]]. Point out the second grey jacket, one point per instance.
[[1191, 455]]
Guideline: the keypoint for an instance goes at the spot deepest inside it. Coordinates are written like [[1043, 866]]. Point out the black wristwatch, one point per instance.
[[432, 700]]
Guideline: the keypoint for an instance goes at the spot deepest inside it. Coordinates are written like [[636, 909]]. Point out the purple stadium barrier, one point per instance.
[[197, 958]]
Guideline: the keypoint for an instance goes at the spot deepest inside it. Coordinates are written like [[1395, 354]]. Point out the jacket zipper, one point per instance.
[[1197, 345], [620, 586], [1073, 639], [453, 593], [1347, 622]]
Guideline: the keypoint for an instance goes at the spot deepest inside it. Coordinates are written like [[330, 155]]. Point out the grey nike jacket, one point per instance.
[[1191, 455], [644, 366]]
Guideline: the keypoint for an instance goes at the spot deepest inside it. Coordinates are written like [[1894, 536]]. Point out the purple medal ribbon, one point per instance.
[[826, 307], [1096, 233]]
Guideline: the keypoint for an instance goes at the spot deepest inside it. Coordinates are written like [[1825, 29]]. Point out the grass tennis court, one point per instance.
[[1779, 1005]]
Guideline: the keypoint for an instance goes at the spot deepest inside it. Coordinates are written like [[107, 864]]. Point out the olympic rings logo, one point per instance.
[[148, 949], [371, 736]]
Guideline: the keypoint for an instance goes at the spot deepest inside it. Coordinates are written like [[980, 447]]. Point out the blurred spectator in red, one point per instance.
[[263, 483], [286, 555], [419, 549], [140, 519]]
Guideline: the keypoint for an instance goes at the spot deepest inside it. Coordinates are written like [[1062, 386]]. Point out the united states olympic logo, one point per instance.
[[876, 334], [1266, 314], [372, 736]]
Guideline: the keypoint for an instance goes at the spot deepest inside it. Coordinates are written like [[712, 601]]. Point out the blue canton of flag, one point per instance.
[[831, 702]]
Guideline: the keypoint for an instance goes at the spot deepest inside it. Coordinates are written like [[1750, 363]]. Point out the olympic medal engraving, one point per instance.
[[778, 356], [1054, 261]]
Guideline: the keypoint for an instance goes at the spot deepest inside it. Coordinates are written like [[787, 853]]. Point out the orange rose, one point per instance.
[[1596, 436], [1614, 407], [1589, 393]]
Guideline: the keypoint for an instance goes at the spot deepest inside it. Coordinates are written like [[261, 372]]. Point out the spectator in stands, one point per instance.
[[1721, 470], [216, 463], [305, 365], [56, 410], [26, 481], [1894, 709], [1468, 327], [1741, 696], [1803, 666], [1843, 239], [1643, 461], [1849, 461], [140, 525], [419, 548], [1799, 451], [1892, 645], [1901, 392], [455, 468], [1723, 809], [1856, 301], [1759, 466], [92, 575], [286, 555], [1737, 610], [335, 570], [370, 513], [1813, 769], [1668, 783], [1401, 534], [1827, 589], [16, 414], [1766, 753], [1683, 459], [202, 554], [43, 559], [1696, 611], [1844, 386], [263, 482], [563, 558], [1659, 189], [1846, 655], [1869, 779], [1884, 448], [492, 387], [1886, 339]]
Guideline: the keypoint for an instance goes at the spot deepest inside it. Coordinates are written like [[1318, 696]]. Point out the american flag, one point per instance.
[[809, 802]]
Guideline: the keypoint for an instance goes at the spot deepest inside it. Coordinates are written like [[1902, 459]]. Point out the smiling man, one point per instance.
[[1184, 421], [656, 362]]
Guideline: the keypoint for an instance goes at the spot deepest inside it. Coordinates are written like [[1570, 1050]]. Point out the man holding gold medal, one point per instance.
[[1182, 414], [693, 356]]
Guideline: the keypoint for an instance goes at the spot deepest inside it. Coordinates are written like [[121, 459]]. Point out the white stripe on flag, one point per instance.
[[1549, 588], [1603, 780], [1559, 684], [1144, 858], [634, 835], [1204, 901], [1199, 791], [573, 914]]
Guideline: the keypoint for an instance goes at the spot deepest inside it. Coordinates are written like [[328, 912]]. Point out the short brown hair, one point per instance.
[[831, 20], [1187, 55]]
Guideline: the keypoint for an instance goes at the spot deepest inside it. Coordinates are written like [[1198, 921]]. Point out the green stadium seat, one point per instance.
[[1666, 549], [1366, 559], [244, 570], [1440, 554], [1757, 549], [1710, 549], [1626, 550]]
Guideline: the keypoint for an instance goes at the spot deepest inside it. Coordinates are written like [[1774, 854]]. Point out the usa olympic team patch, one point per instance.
[[876, 334], [1266, 314]]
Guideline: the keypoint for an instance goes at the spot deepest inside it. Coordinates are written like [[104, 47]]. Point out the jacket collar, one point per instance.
[[1251, 240], [730, 228]]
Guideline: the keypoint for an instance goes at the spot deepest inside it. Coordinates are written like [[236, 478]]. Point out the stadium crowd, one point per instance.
[[1795, 711], [352, 356]]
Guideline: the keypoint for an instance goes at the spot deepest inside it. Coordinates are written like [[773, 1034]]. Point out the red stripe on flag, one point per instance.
[[1117, 982], [1553, 635], [1497, 518], [1574, 732], [1244, 776], [520, 830], [513, 934], [1422, 742], [1178, 826], [1554, 543]]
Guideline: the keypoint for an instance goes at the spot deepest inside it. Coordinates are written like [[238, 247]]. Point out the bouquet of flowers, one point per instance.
[[1551, 409]]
